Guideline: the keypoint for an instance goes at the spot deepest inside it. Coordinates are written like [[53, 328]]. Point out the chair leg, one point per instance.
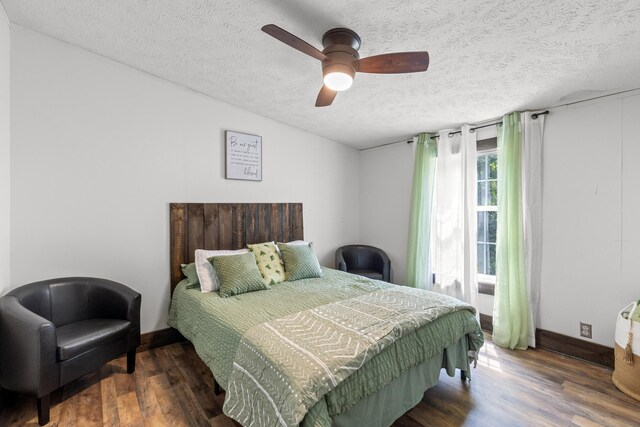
[[131, 362], [43, 403]]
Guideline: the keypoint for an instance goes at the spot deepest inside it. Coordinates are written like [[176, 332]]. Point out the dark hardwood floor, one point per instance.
[[172, 387]]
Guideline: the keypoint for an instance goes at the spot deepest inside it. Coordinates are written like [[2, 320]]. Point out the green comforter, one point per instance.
[[216, 325]]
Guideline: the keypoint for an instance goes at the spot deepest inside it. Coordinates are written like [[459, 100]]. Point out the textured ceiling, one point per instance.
[[488, 57]]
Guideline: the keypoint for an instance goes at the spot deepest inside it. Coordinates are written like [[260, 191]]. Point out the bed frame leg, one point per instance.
[[463, 376], [216, 387]]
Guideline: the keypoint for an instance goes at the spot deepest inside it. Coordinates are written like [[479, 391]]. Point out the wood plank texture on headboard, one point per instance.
[[228, 226]]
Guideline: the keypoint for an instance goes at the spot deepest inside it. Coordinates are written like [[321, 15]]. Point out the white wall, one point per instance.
[[99, 150], [591, 232], [385, 195], [5, 150], [630, 247]]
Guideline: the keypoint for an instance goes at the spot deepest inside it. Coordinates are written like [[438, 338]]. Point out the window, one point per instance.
[[487, 208]]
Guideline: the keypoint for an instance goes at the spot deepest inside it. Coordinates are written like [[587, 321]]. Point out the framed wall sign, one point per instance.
[[244, 156]]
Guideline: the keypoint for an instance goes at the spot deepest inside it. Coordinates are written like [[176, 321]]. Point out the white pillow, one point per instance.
[[299, 243], [206, 275]]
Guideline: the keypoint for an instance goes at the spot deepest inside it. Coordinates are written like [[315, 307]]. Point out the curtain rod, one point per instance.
[[408, 141], [534, 116], [451, 134]]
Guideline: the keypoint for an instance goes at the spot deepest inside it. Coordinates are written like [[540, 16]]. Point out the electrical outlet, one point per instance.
[[585, 330]]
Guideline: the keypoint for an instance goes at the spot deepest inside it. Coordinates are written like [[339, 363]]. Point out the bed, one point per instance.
[[376, 392]]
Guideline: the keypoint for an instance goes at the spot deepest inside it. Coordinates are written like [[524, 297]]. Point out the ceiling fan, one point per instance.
[[341, 61]]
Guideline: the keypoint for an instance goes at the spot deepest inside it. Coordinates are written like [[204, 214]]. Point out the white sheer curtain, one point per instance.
[[449, 217], [532, 136], [455, 261]]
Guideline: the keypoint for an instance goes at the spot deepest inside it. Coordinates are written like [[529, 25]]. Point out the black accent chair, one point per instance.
[[55, 331], [364, 260]]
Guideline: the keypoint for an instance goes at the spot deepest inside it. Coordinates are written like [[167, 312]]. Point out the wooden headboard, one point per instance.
[[228, 226]]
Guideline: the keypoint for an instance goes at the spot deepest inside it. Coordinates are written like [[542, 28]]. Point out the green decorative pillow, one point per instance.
[[635, 316], [189, 271], [237, 274], [269, 262], [299, 262]]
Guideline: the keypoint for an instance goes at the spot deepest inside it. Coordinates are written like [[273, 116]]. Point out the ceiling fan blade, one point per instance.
[[325, 97], [394, 63], [293, 41]]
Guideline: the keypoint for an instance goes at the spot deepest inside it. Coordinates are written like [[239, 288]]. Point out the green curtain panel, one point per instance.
[[418, 271], [511, 304]]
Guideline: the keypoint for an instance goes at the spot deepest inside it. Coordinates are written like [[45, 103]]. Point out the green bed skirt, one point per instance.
[[383, 407]]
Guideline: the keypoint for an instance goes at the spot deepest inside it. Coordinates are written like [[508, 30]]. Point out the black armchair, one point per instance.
[[55, 331], [364, 260]]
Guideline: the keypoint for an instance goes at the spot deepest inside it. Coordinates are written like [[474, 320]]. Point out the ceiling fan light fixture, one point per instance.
[[341, 60], [338, 77]]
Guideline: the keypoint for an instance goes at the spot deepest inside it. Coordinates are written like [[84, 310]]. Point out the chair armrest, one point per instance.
[[383, 265], [28, 361], [113, 300], [340, 263], [386, 271]]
